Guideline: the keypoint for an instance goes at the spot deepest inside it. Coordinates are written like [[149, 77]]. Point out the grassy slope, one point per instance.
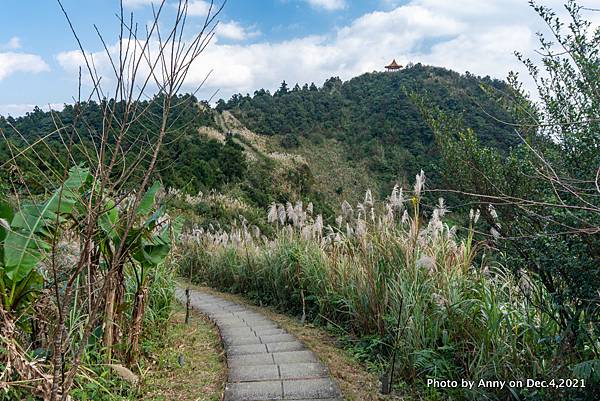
[[202, 376], [327, 161], [332, 170]]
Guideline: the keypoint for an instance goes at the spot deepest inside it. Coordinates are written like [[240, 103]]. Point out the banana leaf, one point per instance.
[[33, 226]]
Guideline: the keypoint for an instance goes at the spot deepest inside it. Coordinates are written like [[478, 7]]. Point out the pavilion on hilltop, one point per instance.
[[393, 66]]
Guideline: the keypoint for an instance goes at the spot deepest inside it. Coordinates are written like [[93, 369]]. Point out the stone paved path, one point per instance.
[[264, 362]]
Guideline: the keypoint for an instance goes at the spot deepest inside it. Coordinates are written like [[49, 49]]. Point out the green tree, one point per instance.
[[545, 194], [283, 89]]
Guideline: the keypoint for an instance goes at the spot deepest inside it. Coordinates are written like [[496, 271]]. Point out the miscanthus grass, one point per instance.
[[392, 283]]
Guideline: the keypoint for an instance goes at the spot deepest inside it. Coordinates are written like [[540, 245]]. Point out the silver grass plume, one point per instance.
[[441, 206], [306, 233], [397, 198], [346, 209], [419, 183], [494, 215], [224, 238], [349, 230], [281, 213], [361, 228], [492, 211], [291, 213], [319, 226], [236, 238], [394, 194], [339, 220], [338, 238], [299, 206], [330, 237], [427, 262], [452, 232], [405, 217], [435, 225], [389, 213], [309, 208], [368, 198], [272, 214], [361, 210], [300, 215]]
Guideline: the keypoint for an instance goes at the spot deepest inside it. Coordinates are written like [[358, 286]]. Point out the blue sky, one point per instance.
[[259, 43]]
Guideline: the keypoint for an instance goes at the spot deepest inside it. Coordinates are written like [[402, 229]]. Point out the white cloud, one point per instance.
[[199, 8], [414, 32], [463, 35], [71, 60], [329, 5], [13, 43], [196, 8], [234, 31], [12, 62], [21, 109], [139, 3]]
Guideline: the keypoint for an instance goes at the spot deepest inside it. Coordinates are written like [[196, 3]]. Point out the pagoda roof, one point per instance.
[[393, 65]]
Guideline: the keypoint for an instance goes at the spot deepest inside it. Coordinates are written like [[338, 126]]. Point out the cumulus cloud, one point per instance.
[[464, 35], [13, 43], [234, 31], [419, 31], [12, 62], [329, 5], [72, 60], [199, 8]]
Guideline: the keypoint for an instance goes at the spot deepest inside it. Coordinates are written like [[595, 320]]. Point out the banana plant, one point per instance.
[[149, 250], [146, 245], [26, 238]]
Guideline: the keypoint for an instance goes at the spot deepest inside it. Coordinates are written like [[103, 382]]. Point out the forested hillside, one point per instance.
[[188, 162], [197, 159], [374, 117], [369, 124]]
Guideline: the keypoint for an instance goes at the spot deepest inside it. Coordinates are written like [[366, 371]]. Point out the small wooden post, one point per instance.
[[187, 305], [386, 388]]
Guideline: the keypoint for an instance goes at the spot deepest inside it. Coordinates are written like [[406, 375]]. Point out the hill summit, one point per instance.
[[369, 125]]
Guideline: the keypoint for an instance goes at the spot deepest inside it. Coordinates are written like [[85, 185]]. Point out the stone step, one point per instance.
[[264, 361]]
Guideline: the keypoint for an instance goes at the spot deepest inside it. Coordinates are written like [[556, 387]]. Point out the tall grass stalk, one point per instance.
[[392, 279]]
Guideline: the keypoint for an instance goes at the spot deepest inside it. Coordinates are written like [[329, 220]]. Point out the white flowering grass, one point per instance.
[[380, 266]]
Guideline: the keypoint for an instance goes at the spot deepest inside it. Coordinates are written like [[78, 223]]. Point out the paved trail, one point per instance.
[[264, 362]]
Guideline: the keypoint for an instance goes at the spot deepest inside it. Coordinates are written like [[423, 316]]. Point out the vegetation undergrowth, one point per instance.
[[183, 361], [84, 233], [396, 286]]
